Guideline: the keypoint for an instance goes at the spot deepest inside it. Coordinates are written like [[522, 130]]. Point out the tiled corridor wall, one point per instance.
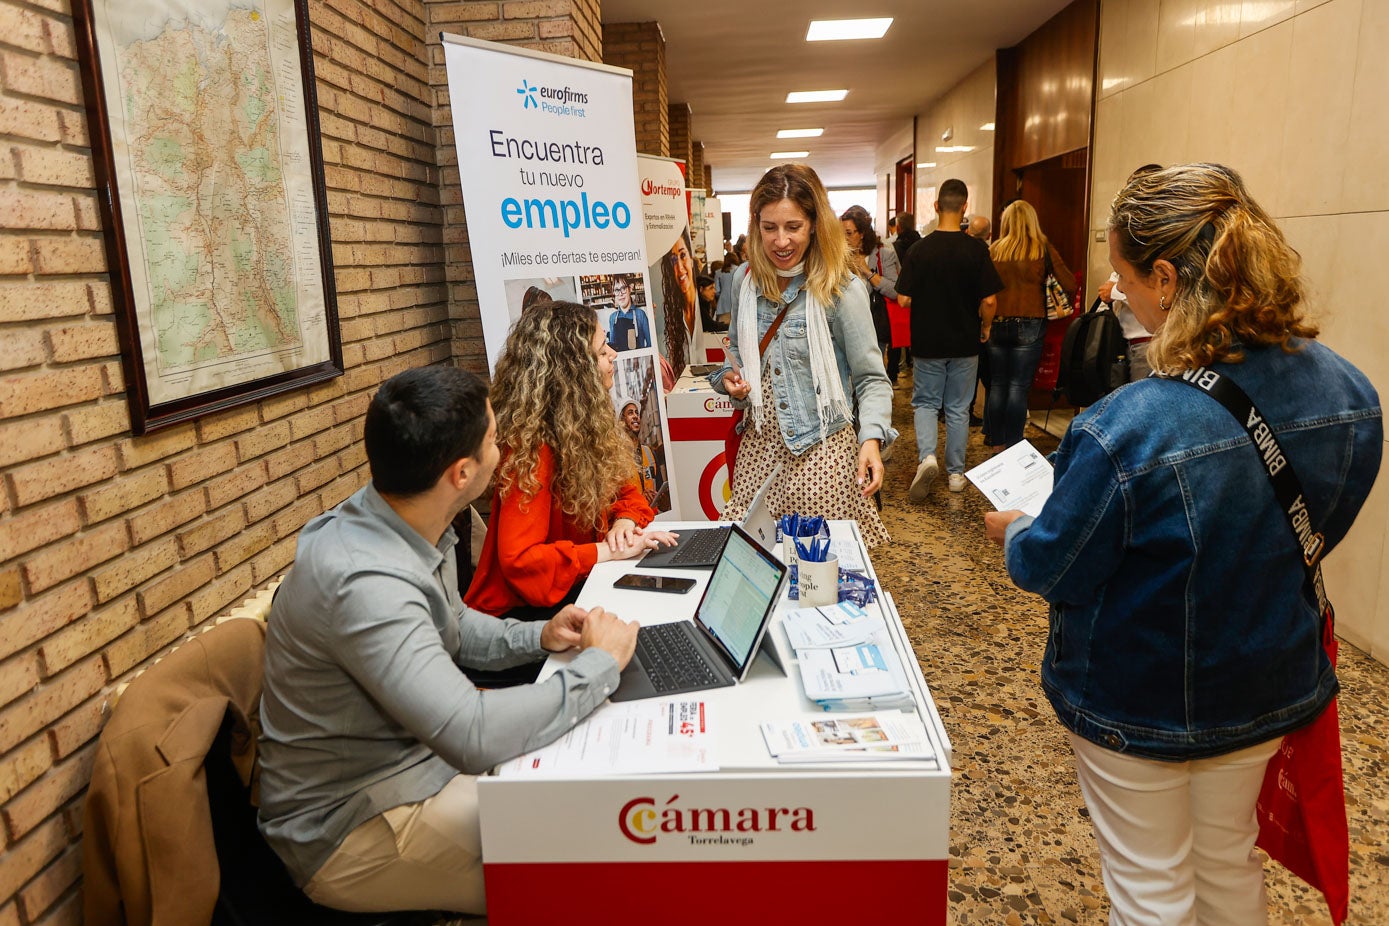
[[1294, 94], [963, 110]]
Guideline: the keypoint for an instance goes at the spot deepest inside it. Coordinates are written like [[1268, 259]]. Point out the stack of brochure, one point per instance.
[[847, 661], [848, 738]]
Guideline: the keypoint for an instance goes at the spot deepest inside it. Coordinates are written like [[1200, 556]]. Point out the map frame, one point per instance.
[[159, 400]]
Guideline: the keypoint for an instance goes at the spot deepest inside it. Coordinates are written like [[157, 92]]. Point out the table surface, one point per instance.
[[767, 694]]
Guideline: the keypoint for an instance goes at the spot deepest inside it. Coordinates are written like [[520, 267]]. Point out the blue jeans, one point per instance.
[[1015, 347], [950, 381]]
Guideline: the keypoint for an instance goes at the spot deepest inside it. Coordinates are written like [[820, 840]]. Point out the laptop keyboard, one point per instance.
[[704, 546], [671, 659]]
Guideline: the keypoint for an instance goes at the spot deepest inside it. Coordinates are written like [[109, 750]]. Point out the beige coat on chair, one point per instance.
[[147, 850]]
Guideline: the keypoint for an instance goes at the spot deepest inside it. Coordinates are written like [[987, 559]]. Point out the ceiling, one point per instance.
[[734, 61]]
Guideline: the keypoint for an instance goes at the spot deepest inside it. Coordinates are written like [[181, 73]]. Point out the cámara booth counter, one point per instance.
[[753, 842]]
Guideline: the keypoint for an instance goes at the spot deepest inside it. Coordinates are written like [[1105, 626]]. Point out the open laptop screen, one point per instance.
[[741, 592]]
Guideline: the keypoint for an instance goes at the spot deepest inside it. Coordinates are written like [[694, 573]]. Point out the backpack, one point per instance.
[[1094, 357]]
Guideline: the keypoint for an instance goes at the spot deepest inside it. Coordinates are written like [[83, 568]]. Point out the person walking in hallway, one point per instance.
[[948, 282], [1020, 256]]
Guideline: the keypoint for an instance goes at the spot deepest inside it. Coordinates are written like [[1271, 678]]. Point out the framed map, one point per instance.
[[204, 126]]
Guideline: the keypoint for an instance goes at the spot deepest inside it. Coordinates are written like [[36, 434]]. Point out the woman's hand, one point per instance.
[[623, 534], [627, 541], [870, 467], [996, 524], [735, 385]]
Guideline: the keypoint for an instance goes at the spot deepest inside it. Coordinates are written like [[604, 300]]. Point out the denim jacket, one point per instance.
[[1180, 624], [856, 354]]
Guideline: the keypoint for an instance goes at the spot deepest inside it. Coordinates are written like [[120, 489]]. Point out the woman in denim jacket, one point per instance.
[[1183, 642], [821, 369]]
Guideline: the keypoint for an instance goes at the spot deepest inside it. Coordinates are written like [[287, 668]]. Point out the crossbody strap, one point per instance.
[[1286, 486], [772, 330]]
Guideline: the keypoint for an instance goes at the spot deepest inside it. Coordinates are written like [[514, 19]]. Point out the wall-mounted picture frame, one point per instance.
[[203, 120]]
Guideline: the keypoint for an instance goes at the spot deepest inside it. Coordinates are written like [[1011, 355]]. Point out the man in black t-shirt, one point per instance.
[[948, 281]]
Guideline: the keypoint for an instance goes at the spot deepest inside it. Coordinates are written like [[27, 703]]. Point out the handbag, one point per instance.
[[1054, 297], [882, 323], [1302, 804], [899, 319], [734, 438]]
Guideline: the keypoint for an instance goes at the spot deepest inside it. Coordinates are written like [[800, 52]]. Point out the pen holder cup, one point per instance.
[[818, 582]]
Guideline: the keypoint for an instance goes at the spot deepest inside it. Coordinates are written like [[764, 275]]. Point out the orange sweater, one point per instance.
[[533, 556]]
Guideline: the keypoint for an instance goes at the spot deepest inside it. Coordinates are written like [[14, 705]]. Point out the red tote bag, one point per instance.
[[1302, 807], [899, 319]]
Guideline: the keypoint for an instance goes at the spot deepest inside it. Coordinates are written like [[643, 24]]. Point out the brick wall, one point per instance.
[[696, 175], [562, 27], [112, 546], [642, 48], [678, 118]]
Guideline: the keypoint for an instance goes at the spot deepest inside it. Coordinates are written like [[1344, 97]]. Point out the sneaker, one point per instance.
[[886, 453], [957, 482], [925, 475]]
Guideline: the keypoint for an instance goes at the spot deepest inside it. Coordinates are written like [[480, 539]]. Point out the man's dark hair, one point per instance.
[[906, 221], [419, 423], [952, 196]]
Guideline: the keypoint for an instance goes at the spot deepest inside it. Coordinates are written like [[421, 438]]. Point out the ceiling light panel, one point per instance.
[[787, 155], [816, 96], [837, 30], [800, 133]]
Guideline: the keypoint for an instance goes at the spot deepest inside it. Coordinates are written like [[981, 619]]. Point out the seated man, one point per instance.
[[372, 733]]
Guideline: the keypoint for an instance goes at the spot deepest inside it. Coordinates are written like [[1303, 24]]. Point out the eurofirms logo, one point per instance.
[[643, 820], [554, 101]]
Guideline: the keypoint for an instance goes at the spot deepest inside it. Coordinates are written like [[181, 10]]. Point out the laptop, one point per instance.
[[716, 649], [700, 548]]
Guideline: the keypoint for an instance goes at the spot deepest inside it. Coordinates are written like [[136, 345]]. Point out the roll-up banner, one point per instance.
[[672, 270], [697, 198], [548, 164], [713, 229]]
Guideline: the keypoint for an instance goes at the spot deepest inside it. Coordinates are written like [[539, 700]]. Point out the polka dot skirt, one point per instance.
[[821, 481]]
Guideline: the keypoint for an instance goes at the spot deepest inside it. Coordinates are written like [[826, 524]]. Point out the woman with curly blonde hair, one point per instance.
[[1186, 635], [566, 495]]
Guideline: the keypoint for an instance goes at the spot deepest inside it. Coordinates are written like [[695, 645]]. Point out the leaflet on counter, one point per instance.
[[867, 670], [657, 736], [1019, 477], [878, 736], [842, 624]]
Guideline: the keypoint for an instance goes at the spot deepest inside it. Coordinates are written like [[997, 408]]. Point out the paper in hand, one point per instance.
[[1019, 477]]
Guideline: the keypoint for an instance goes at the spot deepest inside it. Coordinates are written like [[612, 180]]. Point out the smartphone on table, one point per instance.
[[674, 585]]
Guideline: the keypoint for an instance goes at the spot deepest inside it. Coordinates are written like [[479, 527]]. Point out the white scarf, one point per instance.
[[829, 388]]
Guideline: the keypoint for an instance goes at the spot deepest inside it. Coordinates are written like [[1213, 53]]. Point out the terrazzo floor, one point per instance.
[[1022, 850]]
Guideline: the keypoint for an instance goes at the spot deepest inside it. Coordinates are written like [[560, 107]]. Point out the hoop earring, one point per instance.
[[1162, 304]]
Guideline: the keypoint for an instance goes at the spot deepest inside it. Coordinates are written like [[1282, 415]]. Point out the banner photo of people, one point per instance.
[[548, 165], [674, 293]]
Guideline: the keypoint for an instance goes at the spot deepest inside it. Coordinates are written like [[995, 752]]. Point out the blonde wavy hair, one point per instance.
[[827, 257], [546, 390], [1020, 234], [1238, 280]]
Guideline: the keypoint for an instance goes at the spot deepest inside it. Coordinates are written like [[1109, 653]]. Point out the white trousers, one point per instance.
[[1177, 838]]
